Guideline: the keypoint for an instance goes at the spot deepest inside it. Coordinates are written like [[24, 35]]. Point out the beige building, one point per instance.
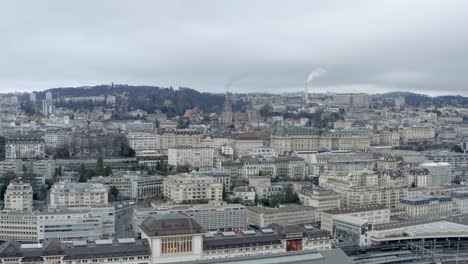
[[19, 197], [302, 138], [194, 157], [417, 134], [178, 137], [289, 213], [186, 188], [389, 138], [76, 196], [374, 214], [352, 195], [243, 143], [143, 141], [255, 181]]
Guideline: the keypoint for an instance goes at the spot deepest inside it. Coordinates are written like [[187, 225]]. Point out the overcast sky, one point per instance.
[[266, 46]]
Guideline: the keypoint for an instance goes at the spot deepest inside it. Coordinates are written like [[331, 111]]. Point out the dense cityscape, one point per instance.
[[351, 177], [233, 132]]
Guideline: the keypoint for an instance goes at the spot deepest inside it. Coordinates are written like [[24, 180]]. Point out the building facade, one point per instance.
[[19, 197]]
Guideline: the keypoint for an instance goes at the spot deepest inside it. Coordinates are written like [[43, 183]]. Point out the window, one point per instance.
[[171, 245]]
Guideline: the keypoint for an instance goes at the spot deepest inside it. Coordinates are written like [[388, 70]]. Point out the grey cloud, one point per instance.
[[365, 45]]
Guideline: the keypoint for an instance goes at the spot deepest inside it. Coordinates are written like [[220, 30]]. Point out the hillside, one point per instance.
[[148, 98]]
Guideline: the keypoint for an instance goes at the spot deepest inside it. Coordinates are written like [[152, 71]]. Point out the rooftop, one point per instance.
[[170, 224], [355, 209]]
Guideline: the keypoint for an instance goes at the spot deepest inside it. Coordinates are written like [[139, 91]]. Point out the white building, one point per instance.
[[143, 141], [351, 229], [194, 157], [374, 214], [188, 188], [19, 197], [319, 198], [265, 192], [245, 194], [24, 147], [440, 173], [87, 224], [289, 213], [76, 196]]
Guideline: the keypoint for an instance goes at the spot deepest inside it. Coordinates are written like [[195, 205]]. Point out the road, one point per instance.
[[123, 221]]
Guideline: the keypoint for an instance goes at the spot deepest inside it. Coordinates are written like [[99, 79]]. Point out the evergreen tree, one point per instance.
[[99, 166]]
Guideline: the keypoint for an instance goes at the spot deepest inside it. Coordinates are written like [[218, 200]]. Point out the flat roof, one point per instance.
[[282, 208], [458, 219], [356, 209], [331, 256]]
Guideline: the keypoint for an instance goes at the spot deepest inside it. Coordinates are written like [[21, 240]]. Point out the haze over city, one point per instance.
[[366, 46]]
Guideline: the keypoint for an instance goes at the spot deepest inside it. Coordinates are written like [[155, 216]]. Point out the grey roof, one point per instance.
[[10, 249], [459, 219], [332, 256], [240, 239], [348, 210], [53, 248], [69, 251], [170, 224], [283, 209]]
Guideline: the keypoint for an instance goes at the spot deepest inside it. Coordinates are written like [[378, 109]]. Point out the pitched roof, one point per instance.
[[170, 224], [53, 248], [10, 249]]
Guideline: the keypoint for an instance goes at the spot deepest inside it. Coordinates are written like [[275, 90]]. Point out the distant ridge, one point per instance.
[[148, 98]]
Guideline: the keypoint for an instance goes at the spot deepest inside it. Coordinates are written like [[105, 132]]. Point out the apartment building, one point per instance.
[[19, 197], [460, 201], [426, 206], [304, 138], [178, 137], [352, 195], [265, 192], [194, 157], [123, 184], [417, 134], [186, 188], [286, 167], [335, 162], [24, 147], [243, 143], [76, 196], [141, 141]]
